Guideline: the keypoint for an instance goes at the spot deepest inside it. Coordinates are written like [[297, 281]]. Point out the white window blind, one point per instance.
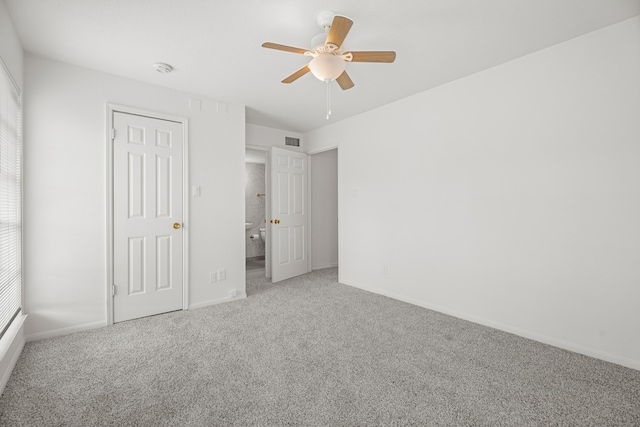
[[10, 200]]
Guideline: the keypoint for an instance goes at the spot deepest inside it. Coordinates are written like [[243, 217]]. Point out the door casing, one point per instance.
[[110, 110]]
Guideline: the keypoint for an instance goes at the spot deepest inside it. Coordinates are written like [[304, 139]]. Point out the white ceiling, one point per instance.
[[215, 45]]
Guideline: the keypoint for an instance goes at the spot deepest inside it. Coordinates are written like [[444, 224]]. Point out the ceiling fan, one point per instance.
[[329, 59]]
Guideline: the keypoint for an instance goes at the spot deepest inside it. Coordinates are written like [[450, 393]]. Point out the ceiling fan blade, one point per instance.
[[295, 76], [286, 48], [339, 29], [345, 81], [374, 56]]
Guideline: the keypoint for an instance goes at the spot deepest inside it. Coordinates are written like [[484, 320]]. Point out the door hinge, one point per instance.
[[113, 134], [113, 290]]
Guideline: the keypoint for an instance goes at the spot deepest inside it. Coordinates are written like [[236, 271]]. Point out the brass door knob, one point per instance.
[[276, 221], [176, 225]]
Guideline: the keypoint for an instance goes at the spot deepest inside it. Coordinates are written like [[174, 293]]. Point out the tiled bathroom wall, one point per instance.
[[254, 207]]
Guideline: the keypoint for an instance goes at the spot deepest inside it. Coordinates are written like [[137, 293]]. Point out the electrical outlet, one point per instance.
[[233, 293], [213, 277], [385, 270], [222, 274]]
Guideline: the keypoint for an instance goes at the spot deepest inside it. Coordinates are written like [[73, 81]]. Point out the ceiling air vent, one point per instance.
[[292, 142]]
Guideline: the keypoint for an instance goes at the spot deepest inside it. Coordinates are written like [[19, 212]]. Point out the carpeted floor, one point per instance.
[[309, 351]]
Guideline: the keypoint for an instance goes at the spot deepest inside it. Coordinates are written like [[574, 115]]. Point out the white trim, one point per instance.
[[309, 246], [566, 345], [340, 174], [111, 108], [267, 215], [65, 331], [216, 301], [256, 147], [185, 214], [11, 346], [323, 149], [109, 214], [322, 267]]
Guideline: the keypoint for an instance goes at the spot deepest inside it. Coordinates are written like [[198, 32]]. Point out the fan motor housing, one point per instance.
[[325, 19]]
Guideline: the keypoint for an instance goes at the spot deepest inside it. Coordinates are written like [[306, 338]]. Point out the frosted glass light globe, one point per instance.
[[327, 66]]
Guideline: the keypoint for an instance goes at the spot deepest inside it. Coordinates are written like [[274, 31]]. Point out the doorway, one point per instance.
[[324, 209], [255, 195], [283, 231], [323, 197]]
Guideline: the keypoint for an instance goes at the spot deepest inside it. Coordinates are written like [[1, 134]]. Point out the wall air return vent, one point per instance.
[[292, 142]]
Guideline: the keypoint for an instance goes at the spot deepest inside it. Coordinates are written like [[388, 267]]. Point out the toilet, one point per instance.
[[263, 235]]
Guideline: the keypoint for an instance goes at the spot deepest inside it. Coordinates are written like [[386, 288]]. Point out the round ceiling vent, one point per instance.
[[161, 67]]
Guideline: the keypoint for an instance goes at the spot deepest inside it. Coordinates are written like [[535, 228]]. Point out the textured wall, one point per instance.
[[254, 206]]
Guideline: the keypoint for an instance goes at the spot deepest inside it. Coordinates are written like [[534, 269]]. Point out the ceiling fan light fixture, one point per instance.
[[327, 66]]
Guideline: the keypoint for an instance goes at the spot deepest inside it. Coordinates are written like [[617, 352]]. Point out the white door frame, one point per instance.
[[111, 109]]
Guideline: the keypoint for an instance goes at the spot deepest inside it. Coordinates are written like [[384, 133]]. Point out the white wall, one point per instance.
[[510, 197], [324, 209], [261, 136], [65, 192], [13, 340], [10, 48]]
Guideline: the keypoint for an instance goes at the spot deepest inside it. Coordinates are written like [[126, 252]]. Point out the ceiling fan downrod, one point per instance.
[[328, 82]]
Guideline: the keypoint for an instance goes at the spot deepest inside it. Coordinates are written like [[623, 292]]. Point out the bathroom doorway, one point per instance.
[[323, 206], [255, 212]]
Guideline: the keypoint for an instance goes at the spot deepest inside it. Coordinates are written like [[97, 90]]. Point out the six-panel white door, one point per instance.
[[289, 217], [147, 216]]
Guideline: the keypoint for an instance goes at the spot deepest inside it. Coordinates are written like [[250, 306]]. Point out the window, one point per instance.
[[10, 200]]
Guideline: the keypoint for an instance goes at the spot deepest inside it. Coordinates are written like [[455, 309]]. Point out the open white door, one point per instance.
[[147, 216], [289, 221]]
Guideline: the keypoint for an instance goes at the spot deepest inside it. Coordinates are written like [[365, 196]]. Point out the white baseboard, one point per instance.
[[322, 267], [95, 325], [11, 347], [216, 301], [65, 331], [566, 345]]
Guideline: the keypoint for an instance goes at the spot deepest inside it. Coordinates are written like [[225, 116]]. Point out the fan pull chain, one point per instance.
[[328, 98]]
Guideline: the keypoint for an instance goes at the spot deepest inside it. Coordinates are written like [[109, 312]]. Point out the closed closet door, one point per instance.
[[147, 216]]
